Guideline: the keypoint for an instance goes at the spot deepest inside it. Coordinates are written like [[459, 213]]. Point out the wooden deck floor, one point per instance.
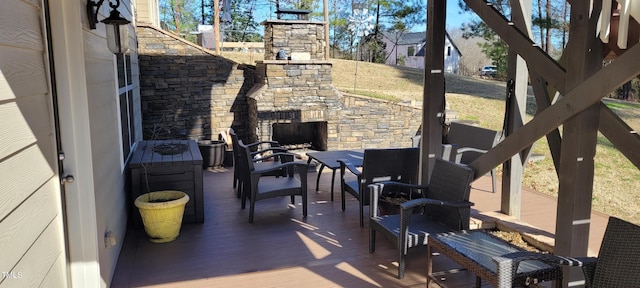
[[281, 249]]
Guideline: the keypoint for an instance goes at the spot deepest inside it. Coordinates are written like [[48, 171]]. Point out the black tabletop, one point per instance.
[[330, 158]]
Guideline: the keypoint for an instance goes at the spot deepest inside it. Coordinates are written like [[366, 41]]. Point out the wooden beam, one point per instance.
[[620, 134], [433, 93], [576, 100], [537, 60], [543, 101]]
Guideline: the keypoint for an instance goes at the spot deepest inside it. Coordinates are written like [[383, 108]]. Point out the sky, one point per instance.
[[455, 19]]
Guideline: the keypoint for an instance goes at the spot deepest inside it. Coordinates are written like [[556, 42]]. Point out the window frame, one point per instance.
[[125, 87]]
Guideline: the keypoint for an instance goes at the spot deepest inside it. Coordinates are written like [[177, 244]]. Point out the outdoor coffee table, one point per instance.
[[474, 250], [330, 159]]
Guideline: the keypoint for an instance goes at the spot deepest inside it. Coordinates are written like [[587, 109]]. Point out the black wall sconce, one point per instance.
[[116, 25]]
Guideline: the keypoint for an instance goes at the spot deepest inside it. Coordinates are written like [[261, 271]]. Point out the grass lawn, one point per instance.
[[616, 182]]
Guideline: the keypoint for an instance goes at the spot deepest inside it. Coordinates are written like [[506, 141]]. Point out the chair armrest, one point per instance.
[[262, 142], [463, 150], [275, 149], [344, 163], [286, 157], [426, 201], [383, 184], [292, 164], [508, 264]]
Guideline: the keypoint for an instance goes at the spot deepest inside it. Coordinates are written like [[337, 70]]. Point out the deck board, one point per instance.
[[282, 249]]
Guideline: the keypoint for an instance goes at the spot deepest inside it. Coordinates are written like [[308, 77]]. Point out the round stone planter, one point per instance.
[[162, 213], [213, 153]]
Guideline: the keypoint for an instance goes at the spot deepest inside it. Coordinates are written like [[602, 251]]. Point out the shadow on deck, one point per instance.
[[282, 249]]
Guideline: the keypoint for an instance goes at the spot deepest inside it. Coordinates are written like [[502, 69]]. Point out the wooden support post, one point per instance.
[[516, 111], [433, 93], [216, 24], [327, 45], [579, 139]]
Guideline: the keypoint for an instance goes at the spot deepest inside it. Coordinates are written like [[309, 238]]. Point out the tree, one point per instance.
[[473, 58], [394, 16], [242, 27], [550, 17], [180, 16], [549, 21]]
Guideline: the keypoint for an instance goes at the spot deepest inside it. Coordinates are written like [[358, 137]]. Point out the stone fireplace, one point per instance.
[[294, 101]]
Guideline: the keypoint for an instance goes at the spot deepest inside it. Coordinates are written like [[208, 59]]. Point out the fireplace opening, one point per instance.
[[305, 135]]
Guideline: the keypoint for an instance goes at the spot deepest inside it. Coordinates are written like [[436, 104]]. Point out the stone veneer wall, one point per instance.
[[293, 91], [294, 36], [367, 122], [187, 92], [301, 91]]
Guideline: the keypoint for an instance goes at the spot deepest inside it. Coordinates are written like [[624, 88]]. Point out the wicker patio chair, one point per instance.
[[396, 164], [446, 208], [471, 142], [617, 264], [271, 147], [258, 187]]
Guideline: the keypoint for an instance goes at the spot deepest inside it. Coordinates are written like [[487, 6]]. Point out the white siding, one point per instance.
[[104, 124], [31, 231]]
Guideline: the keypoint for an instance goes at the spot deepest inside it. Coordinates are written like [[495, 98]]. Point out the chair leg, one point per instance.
[[252, 205], [342, 194], [304, 204], [361, 212], [401, 263], [372, 240], [243, 196], [493, 180]]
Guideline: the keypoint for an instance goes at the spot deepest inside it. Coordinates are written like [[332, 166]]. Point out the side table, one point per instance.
[[168, 165], [474, 250]]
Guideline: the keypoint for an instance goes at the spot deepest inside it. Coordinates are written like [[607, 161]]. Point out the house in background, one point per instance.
[[407, 49]]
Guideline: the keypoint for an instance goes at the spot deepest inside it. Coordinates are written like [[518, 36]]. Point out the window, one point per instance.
[[448, 50], [411, 50], [125, 91]]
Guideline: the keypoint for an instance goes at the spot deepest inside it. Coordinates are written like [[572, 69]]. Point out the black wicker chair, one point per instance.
[[446, 208], [471, 142], [257, 187], [257, 148], [396, 164], [617, 264]]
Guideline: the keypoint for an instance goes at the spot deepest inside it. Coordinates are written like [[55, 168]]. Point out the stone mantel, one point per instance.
[[275, 21], [295, 62]]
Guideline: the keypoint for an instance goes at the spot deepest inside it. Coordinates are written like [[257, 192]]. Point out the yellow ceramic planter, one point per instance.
[[162, 213]]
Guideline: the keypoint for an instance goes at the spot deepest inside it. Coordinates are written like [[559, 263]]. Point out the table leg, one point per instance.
[[318, 179], [333, 180]]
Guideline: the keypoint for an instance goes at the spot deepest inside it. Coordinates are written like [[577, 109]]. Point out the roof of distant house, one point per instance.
[[409, 38], [422, 53], [406, 38]]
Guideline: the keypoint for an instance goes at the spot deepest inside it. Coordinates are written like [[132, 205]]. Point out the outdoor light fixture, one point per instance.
[[116, 25]]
